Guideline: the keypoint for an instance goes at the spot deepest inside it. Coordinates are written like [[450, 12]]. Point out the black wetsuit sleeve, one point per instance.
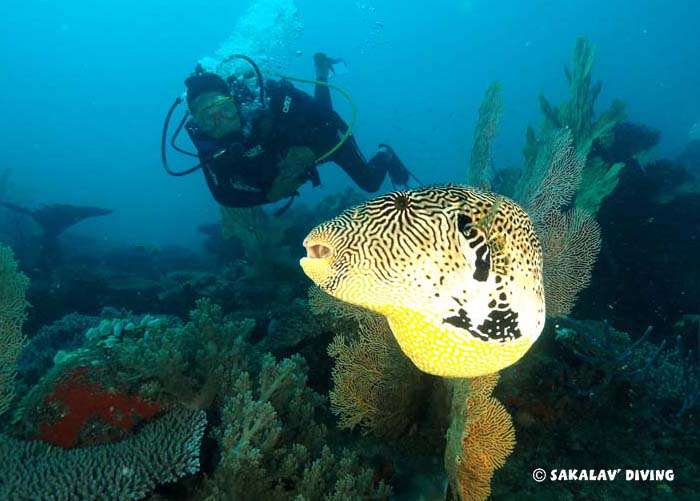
[[220, 166]]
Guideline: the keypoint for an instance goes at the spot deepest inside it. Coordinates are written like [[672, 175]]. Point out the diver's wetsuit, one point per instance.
[[239, 170]]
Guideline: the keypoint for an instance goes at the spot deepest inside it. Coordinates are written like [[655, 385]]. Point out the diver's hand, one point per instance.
[[324, 65], [292, 172]]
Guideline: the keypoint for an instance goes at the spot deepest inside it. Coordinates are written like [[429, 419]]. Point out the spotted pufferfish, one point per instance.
[[456, 271]]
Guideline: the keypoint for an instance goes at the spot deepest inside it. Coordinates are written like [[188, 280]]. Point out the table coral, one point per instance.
[[163, 451]]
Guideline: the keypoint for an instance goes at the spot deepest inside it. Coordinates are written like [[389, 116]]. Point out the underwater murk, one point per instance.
[[520, 332]]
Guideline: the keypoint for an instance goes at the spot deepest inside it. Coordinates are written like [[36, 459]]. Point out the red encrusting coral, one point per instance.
[[82, 401]]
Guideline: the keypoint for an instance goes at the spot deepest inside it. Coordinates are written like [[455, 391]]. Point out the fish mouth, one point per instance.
[[318, 262], [315, 250]]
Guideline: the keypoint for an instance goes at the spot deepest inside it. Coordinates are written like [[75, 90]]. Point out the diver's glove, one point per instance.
[[292, 173], [398, 173]]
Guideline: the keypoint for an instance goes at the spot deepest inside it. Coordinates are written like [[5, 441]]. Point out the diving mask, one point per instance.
[[216, 115]]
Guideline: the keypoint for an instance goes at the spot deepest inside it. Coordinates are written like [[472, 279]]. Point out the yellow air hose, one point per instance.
[[353, 112]]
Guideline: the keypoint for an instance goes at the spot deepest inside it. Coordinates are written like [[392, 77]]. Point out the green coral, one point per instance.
[[13, 287], [273, 447], [578, 116], [487, 123], [189, 362], [598, 181], [271, 442]]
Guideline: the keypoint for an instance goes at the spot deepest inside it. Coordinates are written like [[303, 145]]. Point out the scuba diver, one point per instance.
[[258, 143]]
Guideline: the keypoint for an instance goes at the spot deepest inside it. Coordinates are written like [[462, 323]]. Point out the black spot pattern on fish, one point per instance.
[[463, 221], [500, 325], [461, 321], [482, 264]]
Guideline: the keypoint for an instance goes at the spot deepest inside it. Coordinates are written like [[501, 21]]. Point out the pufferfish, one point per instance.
[[456, 271]]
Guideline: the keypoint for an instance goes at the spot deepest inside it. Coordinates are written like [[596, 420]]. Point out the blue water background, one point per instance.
[[85, 86]]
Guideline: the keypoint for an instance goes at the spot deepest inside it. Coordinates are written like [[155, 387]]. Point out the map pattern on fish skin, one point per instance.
[[457, 271]]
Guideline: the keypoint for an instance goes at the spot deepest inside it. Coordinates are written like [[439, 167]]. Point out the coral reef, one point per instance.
[[82, 401], [163, 451], [592, 396], [273, 447], [270, 442], [577, 114], [479, 440], [13, 287], [375, 386], [570, 237], [480, 162], [37, 356]]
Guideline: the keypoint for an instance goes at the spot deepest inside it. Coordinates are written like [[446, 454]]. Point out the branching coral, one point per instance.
[[189, 362], [273, 447], [13, 287], [271, 443], [479, 440], [156, 358]]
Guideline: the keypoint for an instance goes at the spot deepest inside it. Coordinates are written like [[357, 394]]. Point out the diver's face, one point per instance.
[[216, 114]]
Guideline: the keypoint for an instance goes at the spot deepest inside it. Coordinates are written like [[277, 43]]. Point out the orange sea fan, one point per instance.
[[490, 438], [486, 440]]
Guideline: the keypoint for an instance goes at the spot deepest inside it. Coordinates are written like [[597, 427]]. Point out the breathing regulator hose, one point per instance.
[[346, 134], [353, 112]]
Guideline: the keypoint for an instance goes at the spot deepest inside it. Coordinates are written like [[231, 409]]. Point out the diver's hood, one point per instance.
[[200, 83]]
